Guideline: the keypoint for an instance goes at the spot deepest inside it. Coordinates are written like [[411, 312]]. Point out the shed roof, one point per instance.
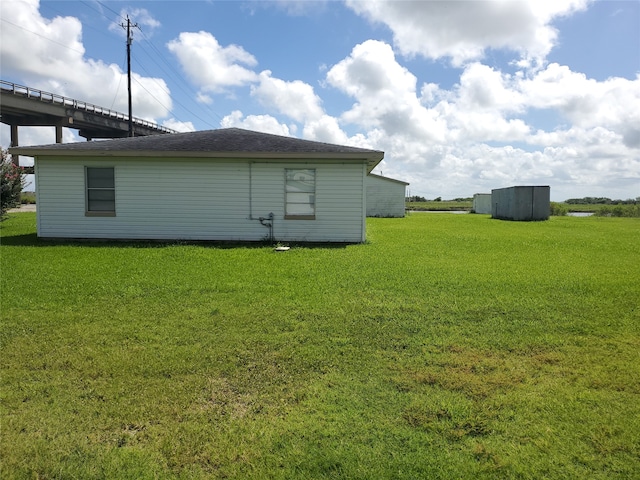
[[393, 180], [221, 143]]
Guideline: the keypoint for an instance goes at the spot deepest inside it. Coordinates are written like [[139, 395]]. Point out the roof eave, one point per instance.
[[372, 158], [389, 179]]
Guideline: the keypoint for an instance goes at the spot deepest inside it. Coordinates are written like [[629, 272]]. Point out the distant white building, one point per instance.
[[482, 203], [385, 196]]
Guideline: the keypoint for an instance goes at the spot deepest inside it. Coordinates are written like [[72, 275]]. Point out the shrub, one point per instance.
[[12, 180], [618, 211], [28, 198], [558, 210]]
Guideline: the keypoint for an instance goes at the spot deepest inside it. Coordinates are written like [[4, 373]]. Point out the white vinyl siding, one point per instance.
[[339, 207], [385, 197], [199, 199]]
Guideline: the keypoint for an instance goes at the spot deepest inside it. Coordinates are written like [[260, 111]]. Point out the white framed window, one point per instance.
[[300, 194], [101, 191]]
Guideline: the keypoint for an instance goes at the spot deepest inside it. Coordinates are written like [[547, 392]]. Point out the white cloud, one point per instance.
[[212, 67], [202, 97], [471, 127], [482, 88], [28, 136], [371, 70], [385, 93], [298, 7], [295, 99], [48, 44], [178, 125], [449, 140], [49, 54], [139, 17], [325, 129], [259, 123], [612, 103], [464, 30]]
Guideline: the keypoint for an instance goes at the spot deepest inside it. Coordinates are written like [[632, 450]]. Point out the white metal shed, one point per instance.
[[385, 196], [482, 203], [521, 203]]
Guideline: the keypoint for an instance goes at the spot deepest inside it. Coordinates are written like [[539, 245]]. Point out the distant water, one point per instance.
[[580, 214], [437, 211], [571, 214]]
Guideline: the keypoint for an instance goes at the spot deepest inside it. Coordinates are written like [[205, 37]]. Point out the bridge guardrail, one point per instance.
[[48, 97]]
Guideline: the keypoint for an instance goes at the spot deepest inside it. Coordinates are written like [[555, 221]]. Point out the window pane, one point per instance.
[[308, 198], [304, 175], [101, 206], [300, 209], [101, 194], [300, 188], [301, 180], [100, 178], [101, 200]]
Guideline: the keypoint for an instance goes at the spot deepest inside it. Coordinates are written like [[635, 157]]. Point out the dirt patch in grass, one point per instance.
[[473, 372]]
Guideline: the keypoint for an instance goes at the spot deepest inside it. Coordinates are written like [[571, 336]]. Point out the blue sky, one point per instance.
[[463, 96]]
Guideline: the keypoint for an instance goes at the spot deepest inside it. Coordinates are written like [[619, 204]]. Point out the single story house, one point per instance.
[[481, 203], [219, 185], [522, 203], [385, 196]]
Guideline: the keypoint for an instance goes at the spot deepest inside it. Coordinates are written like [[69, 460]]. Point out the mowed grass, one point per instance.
[[448, 346], [439, 206]]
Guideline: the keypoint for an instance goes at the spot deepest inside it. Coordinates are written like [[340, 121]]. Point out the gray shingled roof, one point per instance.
[[226, 140]]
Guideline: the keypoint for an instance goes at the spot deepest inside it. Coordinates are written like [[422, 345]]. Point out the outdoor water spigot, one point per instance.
[[268, 218]]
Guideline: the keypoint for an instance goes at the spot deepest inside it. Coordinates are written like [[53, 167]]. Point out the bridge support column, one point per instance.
[[59, 133], [14, 143]]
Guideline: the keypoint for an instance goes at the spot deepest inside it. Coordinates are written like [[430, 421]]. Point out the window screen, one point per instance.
[[101, 190], [300, 193]]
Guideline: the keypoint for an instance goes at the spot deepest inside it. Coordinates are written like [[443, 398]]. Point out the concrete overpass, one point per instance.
[[26, 106]]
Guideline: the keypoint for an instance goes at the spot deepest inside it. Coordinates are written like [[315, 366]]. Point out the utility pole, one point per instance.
[[128, 26]]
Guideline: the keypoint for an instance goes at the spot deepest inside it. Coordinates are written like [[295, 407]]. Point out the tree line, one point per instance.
[[571, 201], [418, 198], [601, 201]]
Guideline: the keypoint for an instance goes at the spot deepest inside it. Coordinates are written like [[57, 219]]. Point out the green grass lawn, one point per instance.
[[447, 346]]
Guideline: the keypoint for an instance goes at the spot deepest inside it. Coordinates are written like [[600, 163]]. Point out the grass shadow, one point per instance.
[[23, 233], [25, 240], [32, 240]]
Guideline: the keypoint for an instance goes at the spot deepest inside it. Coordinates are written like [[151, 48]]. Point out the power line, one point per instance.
[[108, 8], [178, 79], [153, 96], [174, 99], [48, 6], [42, 36], [118, 87], [170, 72], [151, 77]]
